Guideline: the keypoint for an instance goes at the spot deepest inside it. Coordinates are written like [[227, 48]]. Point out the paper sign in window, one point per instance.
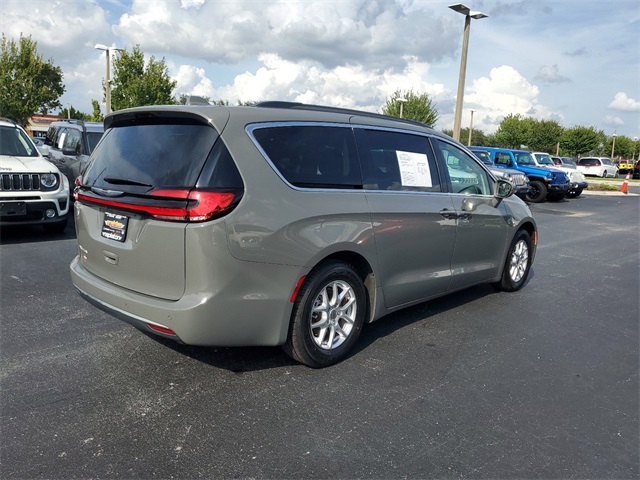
[[414, 169]]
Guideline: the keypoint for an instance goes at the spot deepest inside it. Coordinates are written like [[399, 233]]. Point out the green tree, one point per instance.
[[71, 112], [579, 140], [417, 107], [96, 116], [478, 137], [544, 136], [28, 84], [135, 84], [514, 131], [624, 147]]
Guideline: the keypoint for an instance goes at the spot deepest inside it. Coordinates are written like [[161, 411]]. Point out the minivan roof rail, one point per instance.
[[324, 108]]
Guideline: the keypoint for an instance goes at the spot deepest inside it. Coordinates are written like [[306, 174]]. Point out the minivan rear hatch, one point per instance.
[[139, 194]]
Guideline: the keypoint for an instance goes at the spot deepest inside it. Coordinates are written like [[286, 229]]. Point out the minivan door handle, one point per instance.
[[449, 214]]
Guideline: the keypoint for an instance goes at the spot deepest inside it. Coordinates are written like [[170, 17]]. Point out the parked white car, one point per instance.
[[32, 190], [577, 179], [598, 166]]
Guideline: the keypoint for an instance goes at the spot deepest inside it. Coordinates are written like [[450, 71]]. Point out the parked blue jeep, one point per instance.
[[550, 184]]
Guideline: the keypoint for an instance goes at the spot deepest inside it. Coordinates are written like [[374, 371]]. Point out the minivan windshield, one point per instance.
[[164, 155]]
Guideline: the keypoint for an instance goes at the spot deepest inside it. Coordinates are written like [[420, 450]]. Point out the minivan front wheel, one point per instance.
[[517, 263], [328, 315]]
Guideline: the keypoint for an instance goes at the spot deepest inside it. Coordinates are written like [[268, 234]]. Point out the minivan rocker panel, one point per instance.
[[286, 224]]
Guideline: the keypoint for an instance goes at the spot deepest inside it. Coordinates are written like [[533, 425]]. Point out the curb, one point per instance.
[[609, 193]]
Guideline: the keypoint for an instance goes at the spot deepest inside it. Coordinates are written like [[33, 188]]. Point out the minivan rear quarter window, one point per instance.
[[312, 156]]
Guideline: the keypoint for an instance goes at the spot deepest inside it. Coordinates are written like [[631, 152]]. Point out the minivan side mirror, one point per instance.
[[503, 188]]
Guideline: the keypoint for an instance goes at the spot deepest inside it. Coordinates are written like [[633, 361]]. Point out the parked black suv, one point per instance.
[[70, 143]]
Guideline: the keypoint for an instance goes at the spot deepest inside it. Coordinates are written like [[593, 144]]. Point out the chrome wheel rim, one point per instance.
[[333, 315], [519, 259]]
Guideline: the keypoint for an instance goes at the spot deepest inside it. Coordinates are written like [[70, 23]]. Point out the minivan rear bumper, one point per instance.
[[245, 311]]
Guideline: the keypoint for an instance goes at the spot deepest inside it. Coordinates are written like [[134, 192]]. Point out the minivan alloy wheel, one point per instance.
[[333, 315], [328, 315], [519, 260], [517, 263]]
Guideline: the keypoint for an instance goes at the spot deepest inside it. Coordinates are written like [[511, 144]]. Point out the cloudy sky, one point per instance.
[[573, 61]]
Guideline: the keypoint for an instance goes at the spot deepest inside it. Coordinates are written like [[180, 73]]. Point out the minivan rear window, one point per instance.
[[166, 155]]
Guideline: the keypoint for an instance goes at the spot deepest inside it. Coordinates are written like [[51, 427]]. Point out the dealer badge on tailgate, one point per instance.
[[114, 226]]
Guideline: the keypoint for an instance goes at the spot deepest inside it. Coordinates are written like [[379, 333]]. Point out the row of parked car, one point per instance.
[[536, 175], [37, 174], [68, 145]]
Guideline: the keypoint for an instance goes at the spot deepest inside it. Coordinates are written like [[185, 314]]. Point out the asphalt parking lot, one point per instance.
[[541, 383]]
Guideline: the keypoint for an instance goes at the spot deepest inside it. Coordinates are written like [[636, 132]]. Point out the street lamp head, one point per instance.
[[100, 46], [478, 15], [460, 8], [464, 10]]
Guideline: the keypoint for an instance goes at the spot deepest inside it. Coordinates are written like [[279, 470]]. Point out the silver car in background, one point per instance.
[[286, 224]]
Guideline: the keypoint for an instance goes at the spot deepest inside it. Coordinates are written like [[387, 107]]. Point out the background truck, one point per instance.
[[544, 184]]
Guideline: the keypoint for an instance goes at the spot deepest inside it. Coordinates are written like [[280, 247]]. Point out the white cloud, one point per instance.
[[193, 80], [343, 86], [612, 121], [624, 103], [380, 32], [65, 31], [550, 74], [504, 92]]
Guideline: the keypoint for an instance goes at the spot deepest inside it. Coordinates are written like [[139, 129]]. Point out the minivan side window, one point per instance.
[[397, 161], [312, 156], [466, 175]]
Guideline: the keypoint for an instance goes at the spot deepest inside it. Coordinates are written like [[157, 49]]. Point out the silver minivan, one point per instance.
[[286, 224]]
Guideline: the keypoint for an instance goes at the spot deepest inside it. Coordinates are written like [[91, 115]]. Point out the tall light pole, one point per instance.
[[107, 86], [464, 10], [470, 128], [613, 145]]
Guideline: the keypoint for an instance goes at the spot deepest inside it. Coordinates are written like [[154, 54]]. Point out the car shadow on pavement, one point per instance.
[[249, 359], [15, 234]]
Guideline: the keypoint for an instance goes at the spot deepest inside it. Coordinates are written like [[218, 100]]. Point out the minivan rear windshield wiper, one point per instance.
[[124, 181]]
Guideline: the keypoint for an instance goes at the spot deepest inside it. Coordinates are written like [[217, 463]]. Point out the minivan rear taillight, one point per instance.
[[201, 205], [180, 205]]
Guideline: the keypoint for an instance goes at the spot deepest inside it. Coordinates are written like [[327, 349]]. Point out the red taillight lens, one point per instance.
[[160, 329], [209, 204], [196, 205]]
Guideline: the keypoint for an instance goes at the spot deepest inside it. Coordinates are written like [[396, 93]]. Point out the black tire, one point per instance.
[[604, 174], [574, 193], [57, 227], [537, 191], [336, 293], [517, 264]]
